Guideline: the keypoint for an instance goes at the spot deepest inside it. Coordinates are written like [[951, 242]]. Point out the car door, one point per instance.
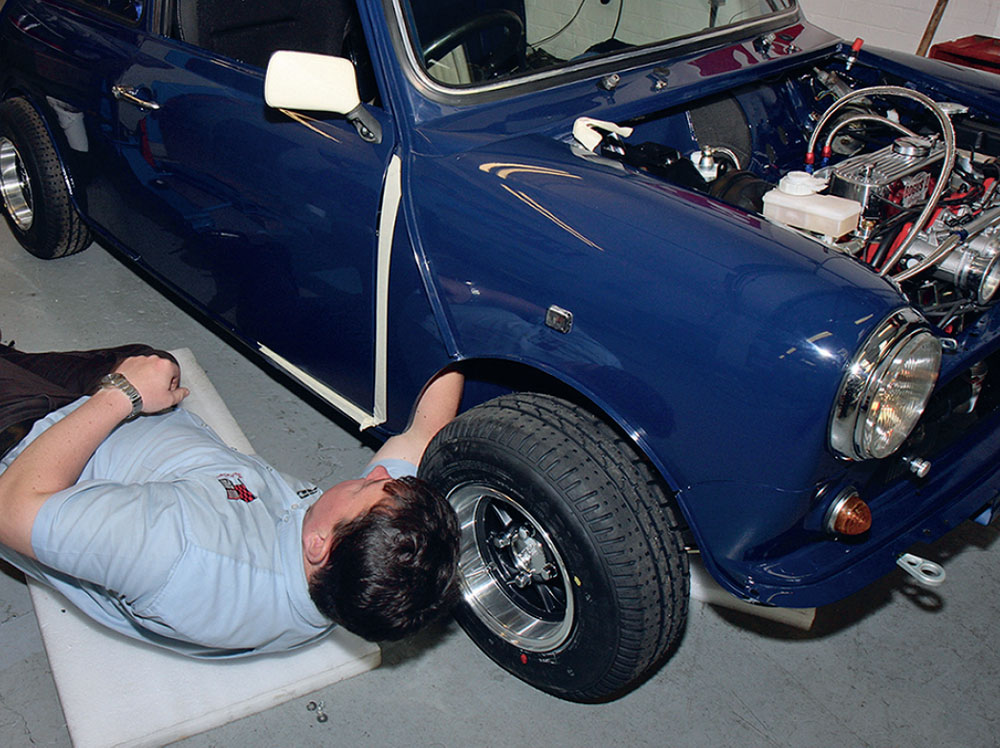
[[266, 220]]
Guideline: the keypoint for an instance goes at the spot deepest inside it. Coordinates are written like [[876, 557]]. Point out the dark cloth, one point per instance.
[[32, 385]]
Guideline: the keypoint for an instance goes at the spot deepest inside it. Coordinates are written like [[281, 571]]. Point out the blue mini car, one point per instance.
[[721, 283]]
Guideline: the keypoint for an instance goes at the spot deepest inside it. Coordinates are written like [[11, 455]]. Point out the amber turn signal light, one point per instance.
[[848, 514]]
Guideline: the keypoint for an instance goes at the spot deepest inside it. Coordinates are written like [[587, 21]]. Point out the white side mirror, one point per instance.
[[303, 80], [318, 83]]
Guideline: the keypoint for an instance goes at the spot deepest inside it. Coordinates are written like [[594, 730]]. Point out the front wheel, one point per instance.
[[573, 574], [36, 201]]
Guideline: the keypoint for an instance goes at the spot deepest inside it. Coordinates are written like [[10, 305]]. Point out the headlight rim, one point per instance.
[[867, 368]]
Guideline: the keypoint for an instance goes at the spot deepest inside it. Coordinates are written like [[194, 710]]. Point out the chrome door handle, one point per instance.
[[129, 94]]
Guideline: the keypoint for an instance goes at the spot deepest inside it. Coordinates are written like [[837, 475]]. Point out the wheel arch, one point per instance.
[[487, 378], [56, 134]]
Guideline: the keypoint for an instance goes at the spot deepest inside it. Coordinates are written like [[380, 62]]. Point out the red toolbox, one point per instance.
[[981, 52]]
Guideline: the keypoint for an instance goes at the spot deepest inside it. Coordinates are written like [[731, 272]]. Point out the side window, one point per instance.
[[129, 10], [252, 30]]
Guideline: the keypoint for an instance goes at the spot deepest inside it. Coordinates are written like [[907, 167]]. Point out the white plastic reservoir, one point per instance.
[[796, 202]]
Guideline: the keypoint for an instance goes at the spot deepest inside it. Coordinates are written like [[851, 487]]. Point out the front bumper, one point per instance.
[[794, 563]]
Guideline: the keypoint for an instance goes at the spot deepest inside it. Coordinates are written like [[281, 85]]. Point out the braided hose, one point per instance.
[[948, 134], [866, 118]]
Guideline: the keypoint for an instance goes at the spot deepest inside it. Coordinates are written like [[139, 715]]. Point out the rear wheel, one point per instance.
[[37, 203], [573, 574]]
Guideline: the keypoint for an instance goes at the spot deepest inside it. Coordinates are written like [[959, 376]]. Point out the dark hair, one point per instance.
[[392, 569]]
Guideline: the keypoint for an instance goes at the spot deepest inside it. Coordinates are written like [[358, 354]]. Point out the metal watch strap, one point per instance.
[[119, 382]]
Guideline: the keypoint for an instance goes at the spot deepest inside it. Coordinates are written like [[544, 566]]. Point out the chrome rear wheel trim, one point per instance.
[[15, 186]]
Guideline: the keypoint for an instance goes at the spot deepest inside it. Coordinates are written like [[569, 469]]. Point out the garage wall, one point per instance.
[[900, 24]]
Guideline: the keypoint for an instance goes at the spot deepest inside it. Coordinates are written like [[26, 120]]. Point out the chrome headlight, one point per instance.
[[886, 388]]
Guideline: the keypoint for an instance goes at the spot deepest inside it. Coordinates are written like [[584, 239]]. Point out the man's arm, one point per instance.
[[55, 459], [436, 407]]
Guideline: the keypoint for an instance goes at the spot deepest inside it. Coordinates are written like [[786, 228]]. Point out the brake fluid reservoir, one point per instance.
[[796, 202]]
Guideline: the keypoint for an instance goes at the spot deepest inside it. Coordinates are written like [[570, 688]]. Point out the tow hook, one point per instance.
[[926, 572]]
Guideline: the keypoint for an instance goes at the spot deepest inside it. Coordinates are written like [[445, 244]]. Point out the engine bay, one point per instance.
[[851, 157]]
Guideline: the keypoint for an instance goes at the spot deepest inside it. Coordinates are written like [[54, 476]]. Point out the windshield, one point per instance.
[[462, 43]]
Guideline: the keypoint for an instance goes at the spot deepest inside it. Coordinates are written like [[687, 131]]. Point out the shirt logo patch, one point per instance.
[[236, 489]]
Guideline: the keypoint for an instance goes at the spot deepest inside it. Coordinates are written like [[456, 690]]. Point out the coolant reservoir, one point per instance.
[[796, 202]]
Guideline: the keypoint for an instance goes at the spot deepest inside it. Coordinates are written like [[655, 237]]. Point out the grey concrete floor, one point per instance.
[[893, 666]]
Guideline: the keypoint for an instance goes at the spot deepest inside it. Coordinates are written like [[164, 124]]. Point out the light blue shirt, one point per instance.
[[172, 537]]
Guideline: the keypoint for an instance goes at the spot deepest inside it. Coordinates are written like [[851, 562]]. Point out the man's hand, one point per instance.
[[55, 459], [157, 379]]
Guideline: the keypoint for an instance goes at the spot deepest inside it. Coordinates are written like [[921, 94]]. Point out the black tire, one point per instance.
[[573, 574], [36, 200]]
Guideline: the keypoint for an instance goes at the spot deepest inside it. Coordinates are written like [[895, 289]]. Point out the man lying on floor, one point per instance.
[[154, 527]]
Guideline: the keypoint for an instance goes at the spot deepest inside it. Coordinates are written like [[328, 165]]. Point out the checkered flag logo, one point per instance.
[[237, 490]]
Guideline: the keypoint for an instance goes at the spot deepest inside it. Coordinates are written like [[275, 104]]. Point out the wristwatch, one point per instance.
[[119, 382]]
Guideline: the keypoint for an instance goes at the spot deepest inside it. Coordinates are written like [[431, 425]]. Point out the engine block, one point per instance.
[[897, 173]]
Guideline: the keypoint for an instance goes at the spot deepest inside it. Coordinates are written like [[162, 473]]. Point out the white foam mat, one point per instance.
[[117, 691]]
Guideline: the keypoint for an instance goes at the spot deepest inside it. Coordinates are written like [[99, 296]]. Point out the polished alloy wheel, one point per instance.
[[14, 186], [572, 571], [513, 577]]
